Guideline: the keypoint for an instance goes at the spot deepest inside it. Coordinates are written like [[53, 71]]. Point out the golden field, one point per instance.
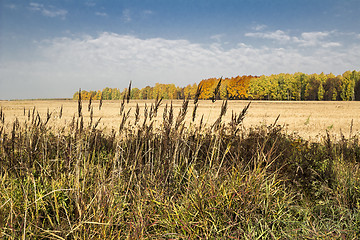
[[310, 119]]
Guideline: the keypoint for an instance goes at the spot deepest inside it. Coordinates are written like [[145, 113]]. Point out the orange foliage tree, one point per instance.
[[231, 88], [237, 87]]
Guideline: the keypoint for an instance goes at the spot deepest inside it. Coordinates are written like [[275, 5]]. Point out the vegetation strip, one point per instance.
[[283, 86]]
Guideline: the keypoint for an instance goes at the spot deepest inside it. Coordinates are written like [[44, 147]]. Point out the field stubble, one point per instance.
[[309, 119]]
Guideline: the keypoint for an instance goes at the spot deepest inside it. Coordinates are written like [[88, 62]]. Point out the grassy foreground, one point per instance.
[[176, 181]]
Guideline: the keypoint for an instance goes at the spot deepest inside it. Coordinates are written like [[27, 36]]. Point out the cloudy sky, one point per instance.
[[49, 49]]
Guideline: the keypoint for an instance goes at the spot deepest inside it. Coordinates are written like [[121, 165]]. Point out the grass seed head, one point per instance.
[[197, 94], [237, 120], [91, 115], [79, 104], [182, 113], [97, 123], [122, 105], [171, 114], [194, 112], [48, 116], [157, 104], [101, 101], [89, 106], [61, 111], [2, 118], [216, 91], [151, 113], [165, 113], [128, 93], [137, 113], [81, 124]]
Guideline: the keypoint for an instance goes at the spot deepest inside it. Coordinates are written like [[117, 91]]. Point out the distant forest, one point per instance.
[[283, 86]]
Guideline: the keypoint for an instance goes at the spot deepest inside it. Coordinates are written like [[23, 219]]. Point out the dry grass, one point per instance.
[[309, 119], [180, 180]]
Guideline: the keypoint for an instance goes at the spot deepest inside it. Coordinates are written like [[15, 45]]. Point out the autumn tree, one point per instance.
[[97, 95], [237, 87], [208, 87], [190, 91]]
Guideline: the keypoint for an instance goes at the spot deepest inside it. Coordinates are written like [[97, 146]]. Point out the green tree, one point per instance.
[[135, 93], [356, 77], [312, 88], [348, 87], [258, 88], [332, 88], [144, 92], [302, 81], [321, 92], [106, 93], [115, 94]]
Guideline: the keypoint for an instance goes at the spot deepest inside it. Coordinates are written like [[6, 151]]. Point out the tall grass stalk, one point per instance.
[[216, 91], [79, 104], [128, 96]]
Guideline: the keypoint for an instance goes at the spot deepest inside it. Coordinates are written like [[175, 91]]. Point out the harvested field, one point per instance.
[[309, 119]]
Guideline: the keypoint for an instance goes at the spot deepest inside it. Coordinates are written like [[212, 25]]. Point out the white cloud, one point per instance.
[[278, 35], [314, 35], [331, 44], [217, 37], [311, 38], [259, 27], [306, 39], [109, 59], [48, 11], [36, 6], [101, 14]]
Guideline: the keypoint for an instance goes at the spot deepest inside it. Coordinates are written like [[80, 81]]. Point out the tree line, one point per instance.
[[283, 86]]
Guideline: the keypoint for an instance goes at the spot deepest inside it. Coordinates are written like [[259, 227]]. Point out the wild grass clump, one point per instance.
[[174, 181]]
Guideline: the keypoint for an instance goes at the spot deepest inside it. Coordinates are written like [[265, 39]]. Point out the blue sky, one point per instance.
[[49, 49]]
